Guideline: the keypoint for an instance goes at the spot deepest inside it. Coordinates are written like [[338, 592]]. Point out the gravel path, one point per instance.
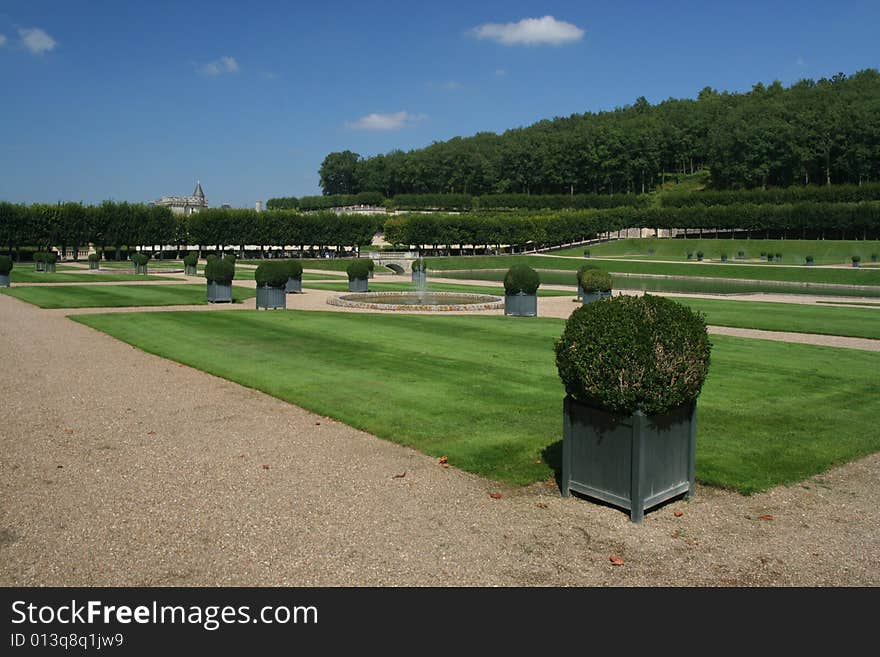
[[121, 468]]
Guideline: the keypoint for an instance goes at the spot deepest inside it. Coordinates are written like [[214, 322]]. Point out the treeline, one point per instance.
[[813, 132], [812, 194], [538, 230]]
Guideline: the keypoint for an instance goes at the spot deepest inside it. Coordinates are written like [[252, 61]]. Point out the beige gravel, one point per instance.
[[121, 468]]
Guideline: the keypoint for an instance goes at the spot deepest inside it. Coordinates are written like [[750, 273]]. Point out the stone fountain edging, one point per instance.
[[483, 302]]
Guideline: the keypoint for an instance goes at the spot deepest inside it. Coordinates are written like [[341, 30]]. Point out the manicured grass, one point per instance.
[[484, 390], [437, 287], [853, 303], [75, 276], [114, 296], [799, 318], [843, 276], [684, 285], [793, 252]]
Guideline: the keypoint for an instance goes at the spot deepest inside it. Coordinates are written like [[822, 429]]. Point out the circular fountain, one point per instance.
[[419, 301]]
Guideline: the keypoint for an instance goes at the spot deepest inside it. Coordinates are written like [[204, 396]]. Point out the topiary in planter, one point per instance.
[[856, 261], [632, 368], [521, 291], [874, 257], [741, 255], [587, 253], [419, 271], [219, 275], [5, 268], [578, 274], [191, 263], [595, 284], [39, 262], [809, 260], [140, 262], [723, 257], [49, 260], [690, 255], [271, 277], [358, 272], [700, 255], [778, 257], [294, 276], [93, 260], [371, 266]]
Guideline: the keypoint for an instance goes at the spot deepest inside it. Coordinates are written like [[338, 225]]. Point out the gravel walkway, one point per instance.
[[121, 468]]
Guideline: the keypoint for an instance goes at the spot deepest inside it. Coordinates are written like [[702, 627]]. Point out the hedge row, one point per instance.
[[325, 202], [786, 195]]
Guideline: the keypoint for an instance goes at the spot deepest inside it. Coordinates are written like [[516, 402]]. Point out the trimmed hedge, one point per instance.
[[220, 271], [594, 280], [359, 269], [793, 194], [294, 269], [272, 273], [5, 265], [521, 279], [634, 353]]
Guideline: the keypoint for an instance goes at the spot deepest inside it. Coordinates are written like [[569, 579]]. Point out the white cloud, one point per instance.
[[500, 72], [36, 40], [393, 121], [2, 39], [220, 66], [530, 32]]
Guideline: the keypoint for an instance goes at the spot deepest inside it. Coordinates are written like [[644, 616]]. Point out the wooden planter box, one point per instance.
[[521, 305], [294, 285], [4, 280], [590, 297], [359, 285], [420, 277], [190, 271], [632, 462], [219, 292], [271, 297]]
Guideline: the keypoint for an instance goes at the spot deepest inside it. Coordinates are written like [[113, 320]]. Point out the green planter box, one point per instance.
[[140, 269], [271, 297], [521, 305], [219, 292], [190, 271], [39, 266], [590, 297], [857, 264], [48, 267], [359, 285], [420, 277], [93, 264], [632, 462], [294, 285], [4, 280]]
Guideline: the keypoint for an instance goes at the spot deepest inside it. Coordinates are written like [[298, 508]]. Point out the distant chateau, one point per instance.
[[185, 204]]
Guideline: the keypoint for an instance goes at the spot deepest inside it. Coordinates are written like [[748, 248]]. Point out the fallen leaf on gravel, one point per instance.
[[541, 505], [443, 460], [59, 466], [68, 430], [766, 516], [317, 424], [151, 433], [615, 560], [400, 476], [265, 466], [678, 514], [551, 482], [495, 496]]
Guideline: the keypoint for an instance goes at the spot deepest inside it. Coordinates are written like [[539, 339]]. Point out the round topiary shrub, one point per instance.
[[856, 259], [294, 269], [594, 280], [5, 265], [220, 271], [50, 257], [419, 264], [272, 273], [359, 269], [634, 353], [191, 259], [521, 279]]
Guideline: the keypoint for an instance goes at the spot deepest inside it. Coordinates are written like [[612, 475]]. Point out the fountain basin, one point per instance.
[[426, 301]]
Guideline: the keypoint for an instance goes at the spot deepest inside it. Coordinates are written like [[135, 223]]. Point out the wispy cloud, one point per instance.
[[269, 75], [800, 62], [393, 121], [2, 39], [530, 32], [500, 72], [220, 66], [36, 40]]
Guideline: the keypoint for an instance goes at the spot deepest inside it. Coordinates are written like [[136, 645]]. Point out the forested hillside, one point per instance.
[[813, 132]]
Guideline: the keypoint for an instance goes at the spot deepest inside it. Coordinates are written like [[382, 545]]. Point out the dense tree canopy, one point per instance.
[[814, 132]]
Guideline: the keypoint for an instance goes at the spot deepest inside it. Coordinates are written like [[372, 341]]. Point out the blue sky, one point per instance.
[[132, 100]]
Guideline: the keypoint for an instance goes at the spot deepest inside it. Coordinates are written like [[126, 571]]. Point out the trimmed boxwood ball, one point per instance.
[[419, 264], [220, 271], [294, 269], [521, 279], [5, 265], [634, 353], [51, 257], [359, 269], [594, 280], [272, 273]]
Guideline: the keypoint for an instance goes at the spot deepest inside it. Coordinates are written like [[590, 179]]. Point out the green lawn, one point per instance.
[[799, 318], [843, 276], [437, 287], [685, 285], [484, 390], [793, 252], [75, 276], [115, 296]]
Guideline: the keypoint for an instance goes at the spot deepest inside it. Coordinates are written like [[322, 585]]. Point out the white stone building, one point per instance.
[[185, 204]]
